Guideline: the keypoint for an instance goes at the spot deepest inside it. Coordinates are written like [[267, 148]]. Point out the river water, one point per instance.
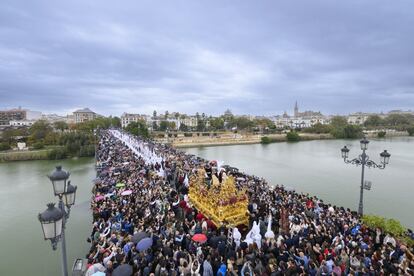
[[316, 167], [312, 166], [24, 192]]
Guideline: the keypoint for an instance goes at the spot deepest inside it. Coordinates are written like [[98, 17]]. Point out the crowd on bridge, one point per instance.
[[144, 224]]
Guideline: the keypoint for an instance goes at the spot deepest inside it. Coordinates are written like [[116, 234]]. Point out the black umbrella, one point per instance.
[[122, 270], [139, 236]]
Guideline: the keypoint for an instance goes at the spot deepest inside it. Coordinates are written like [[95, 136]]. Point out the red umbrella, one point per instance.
[[201, 238]]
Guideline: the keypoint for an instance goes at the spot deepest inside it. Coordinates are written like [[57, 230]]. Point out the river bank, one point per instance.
[[223, 139], [235, 139], [26, 155], [229, 139]]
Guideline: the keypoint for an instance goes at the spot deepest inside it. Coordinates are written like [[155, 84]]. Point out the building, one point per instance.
[[358, 118], [299, 119], [16, 114], [127, 118], [189, 121], [296, 110], [20, 123], [52, 118], [84, 115], [307, 113]]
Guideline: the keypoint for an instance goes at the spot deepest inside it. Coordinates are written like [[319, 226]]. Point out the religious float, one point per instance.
[[222, 202]]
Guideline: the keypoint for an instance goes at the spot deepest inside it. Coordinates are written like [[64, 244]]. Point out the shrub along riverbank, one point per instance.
[[53, 141], [392, 226], [28, 155]]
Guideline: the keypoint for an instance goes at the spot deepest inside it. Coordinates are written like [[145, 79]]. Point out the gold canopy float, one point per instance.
[[222, 203]]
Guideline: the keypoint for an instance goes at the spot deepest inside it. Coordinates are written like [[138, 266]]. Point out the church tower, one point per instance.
[[296, 110]]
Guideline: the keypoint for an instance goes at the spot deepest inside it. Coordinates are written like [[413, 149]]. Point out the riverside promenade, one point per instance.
[[144, 223]]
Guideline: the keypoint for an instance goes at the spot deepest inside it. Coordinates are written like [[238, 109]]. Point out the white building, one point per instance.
[[299, 122], [84, 115], [18, 123], [189, 121], [127, 118]]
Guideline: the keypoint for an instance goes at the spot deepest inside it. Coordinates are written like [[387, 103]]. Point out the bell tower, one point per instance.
[[296, 110]]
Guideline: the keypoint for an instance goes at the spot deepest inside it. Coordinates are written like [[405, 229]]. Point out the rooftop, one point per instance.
[[84, 110]]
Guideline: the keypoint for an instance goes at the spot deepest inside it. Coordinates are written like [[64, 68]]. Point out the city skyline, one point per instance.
[[290, 112], [253, 58]]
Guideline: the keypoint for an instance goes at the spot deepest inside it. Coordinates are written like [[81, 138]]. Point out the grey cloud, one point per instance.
[[188, 56]]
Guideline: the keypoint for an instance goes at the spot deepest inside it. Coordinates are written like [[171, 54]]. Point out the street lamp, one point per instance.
[[53, 220], [58, 178], [363, 160], [70, 195]]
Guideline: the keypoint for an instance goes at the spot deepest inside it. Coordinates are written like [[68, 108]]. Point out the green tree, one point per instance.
[[60, 125], [183, 127], [115, 121], [264, 123], [292, 136], [318, 128], [4, 146], [52, 138], [138, 128], [101, 122], [381, 134], [163, 125], [241, 123], [217, 123], [266, 140], [410, 131], [201, 125], [38, 145], [39, 130], [10, 135], [395, 120], [172, 125], [341, 129], [352, 131], [374, 121]]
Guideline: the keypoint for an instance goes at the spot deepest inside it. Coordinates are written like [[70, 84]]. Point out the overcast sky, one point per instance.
[[254, 57]]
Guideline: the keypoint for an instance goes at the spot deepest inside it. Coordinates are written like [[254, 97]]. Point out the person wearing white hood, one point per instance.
[[269, 233], [254, 236], [186, 182], [236, 236]]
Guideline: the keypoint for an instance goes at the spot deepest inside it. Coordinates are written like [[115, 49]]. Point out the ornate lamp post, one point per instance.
[[363, 160], [53, 220]]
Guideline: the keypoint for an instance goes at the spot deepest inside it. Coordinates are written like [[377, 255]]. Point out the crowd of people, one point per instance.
[[144, 224]]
